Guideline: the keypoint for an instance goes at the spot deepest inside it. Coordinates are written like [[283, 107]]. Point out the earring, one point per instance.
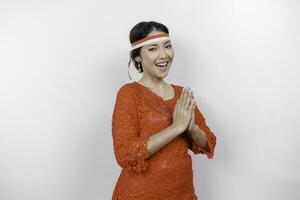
[[139, 67]]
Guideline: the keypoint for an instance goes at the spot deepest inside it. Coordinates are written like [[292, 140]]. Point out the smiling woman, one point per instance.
[[154, 123], [150, 40]]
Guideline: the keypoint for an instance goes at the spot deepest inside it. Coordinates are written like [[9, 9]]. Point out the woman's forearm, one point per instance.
[[199, 137], [162, 138]]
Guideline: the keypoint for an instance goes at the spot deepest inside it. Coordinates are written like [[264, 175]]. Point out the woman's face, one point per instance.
[[154, 54]]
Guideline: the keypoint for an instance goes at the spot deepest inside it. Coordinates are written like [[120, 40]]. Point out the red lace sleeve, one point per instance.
[[129, 148], [211, 138]]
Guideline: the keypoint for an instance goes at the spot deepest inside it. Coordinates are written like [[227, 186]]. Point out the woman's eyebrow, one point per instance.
[[156, 44]]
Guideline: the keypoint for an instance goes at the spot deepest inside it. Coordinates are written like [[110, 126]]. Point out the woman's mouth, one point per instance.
[[162, 64]]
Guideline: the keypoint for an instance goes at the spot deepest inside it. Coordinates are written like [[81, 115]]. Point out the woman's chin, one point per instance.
[[162, 73]]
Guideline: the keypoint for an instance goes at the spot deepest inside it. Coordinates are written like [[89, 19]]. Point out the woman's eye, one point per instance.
[[169, 46], [151, 49]]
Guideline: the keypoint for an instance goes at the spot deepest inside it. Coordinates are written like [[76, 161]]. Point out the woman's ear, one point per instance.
[[138, 59]]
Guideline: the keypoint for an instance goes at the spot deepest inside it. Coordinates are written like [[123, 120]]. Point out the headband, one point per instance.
[[150, 40]]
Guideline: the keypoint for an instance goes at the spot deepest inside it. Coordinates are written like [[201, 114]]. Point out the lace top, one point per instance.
[[167, 174]]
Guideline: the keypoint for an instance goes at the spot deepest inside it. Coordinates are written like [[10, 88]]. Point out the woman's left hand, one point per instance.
[[192, 123]]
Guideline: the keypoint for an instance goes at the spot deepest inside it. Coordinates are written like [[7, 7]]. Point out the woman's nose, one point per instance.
[[162, 53]]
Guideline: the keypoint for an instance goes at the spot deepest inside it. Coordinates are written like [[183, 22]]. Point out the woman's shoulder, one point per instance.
[[127, 87], [124, 90], [177, 86]]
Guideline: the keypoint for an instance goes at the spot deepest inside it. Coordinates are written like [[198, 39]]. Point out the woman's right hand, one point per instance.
[[183, 110]]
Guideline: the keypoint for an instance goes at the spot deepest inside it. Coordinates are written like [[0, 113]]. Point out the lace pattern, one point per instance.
[[139, 113], [130, 149]]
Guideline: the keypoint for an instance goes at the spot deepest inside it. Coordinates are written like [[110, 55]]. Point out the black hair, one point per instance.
[[140, 31]]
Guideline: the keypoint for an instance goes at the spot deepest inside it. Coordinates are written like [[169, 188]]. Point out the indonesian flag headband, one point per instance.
[[147, 41]]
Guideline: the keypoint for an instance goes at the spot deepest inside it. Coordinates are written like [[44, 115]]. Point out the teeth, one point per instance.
[[162, 64]]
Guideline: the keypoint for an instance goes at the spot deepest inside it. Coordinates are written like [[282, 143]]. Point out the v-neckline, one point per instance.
[[174, 89]]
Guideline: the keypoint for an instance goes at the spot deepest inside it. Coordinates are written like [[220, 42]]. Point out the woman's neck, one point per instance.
[[153, 82]]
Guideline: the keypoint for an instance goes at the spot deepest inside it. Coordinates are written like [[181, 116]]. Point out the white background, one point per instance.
[[62, 62]]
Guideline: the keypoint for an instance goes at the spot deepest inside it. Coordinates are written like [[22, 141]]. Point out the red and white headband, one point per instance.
[[150, 40]]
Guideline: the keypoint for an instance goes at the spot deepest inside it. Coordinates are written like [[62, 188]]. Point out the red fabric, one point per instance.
[[167, 174]]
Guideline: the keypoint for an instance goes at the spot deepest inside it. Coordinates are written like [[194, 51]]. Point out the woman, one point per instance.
[[154, 123]]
